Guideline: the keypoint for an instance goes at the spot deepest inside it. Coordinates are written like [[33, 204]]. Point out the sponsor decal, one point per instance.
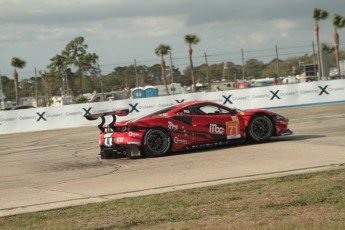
[[146, 107], [94, 111], [87, 111], [293, 93], [240, 98], [108, 140], [41, 116], [323, 90], [275, 95], [8, 119], [261, 96], [232, 128], [336, 89], [214, 128], [120, 139], [172, 126], [27, 118], [73, 113], [134, 107], [308, 91], [180, 141], [133, 134], [54, 115], [164, 105], [227, 99]]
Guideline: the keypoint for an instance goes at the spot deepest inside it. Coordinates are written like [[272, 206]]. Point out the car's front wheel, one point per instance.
[[156, 142], [260, 128]]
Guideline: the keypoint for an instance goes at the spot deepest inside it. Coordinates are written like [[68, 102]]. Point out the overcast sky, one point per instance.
[[119, 31]]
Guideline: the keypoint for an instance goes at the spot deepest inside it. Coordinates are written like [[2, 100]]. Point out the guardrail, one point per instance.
[[69, 116]]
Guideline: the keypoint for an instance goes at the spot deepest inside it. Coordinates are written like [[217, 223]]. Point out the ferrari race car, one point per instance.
[[188, 125]]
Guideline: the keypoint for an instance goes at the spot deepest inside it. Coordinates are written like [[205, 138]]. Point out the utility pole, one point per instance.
[[172, 76], [315, 71], [242, 64], [36, 94], [100, 80], [2, 95], [207, 77], [67, 87], [136, 73], [278, 70]]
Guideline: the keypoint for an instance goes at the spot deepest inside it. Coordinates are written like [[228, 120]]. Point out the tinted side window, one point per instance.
[[213, 110]]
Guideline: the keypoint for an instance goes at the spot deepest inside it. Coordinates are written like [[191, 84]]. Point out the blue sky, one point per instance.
[[120, 31]]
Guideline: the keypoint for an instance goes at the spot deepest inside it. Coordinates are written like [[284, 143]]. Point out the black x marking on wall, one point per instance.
[[275, 95], [87, 111], [134, 107], [41, 116], [323, 90], [227, 99]]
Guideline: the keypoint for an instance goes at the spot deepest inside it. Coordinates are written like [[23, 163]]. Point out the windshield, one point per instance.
[[161, 111]]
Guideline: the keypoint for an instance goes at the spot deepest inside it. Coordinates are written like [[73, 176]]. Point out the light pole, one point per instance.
[[2, 95], [171, 75], [100, 80]]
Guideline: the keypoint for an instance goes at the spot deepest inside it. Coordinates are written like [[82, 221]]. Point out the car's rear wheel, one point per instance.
[[156, 142], [260, 128]]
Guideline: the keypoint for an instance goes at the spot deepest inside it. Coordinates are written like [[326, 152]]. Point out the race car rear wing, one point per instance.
[[119, 112]]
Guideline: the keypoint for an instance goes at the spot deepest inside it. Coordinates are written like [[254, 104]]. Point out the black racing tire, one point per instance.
[[156, 142], [260, 128]]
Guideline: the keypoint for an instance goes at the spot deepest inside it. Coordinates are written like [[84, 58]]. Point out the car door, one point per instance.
[[215, 123]]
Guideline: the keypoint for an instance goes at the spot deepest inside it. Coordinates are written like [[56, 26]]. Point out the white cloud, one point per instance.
[[284, 24]]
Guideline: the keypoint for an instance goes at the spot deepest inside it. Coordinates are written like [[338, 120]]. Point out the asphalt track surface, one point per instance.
[[59, 168]]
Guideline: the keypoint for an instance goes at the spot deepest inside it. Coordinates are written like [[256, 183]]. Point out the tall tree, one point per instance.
[[338, 22], [253, 68], [161, 51], [17, 63], [76, 54], [59, 65], [318, 14], [191, 39]]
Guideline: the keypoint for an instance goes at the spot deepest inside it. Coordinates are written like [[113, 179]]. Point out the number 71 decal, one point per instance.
[[232, 129]]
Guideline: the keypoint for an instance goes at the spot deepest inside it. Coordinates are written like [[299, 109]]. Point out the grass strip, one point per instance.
[[305, 201]]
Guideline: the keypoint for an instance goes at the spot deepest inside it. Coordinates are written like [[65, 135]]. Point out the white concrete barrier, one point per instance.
[[69, 116]]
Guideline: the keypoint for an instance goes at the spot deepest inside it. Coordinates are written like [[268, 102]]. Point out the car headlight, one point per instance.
[[279, 117]]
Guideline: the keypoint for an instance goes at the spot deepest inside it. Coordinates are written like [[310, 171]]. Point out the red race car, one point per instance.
[[188, 125]]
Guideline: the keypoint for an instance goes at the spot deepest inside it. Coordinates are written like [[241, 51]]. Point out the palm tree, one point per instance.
[[338, 22], [160, 51], [17, 63], [325, 47], [58, 65], [318, 14], [191, 39]]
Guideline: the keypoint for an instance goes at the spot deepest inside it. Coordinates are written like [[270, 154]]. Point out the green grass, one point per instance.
[[306, 201]]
